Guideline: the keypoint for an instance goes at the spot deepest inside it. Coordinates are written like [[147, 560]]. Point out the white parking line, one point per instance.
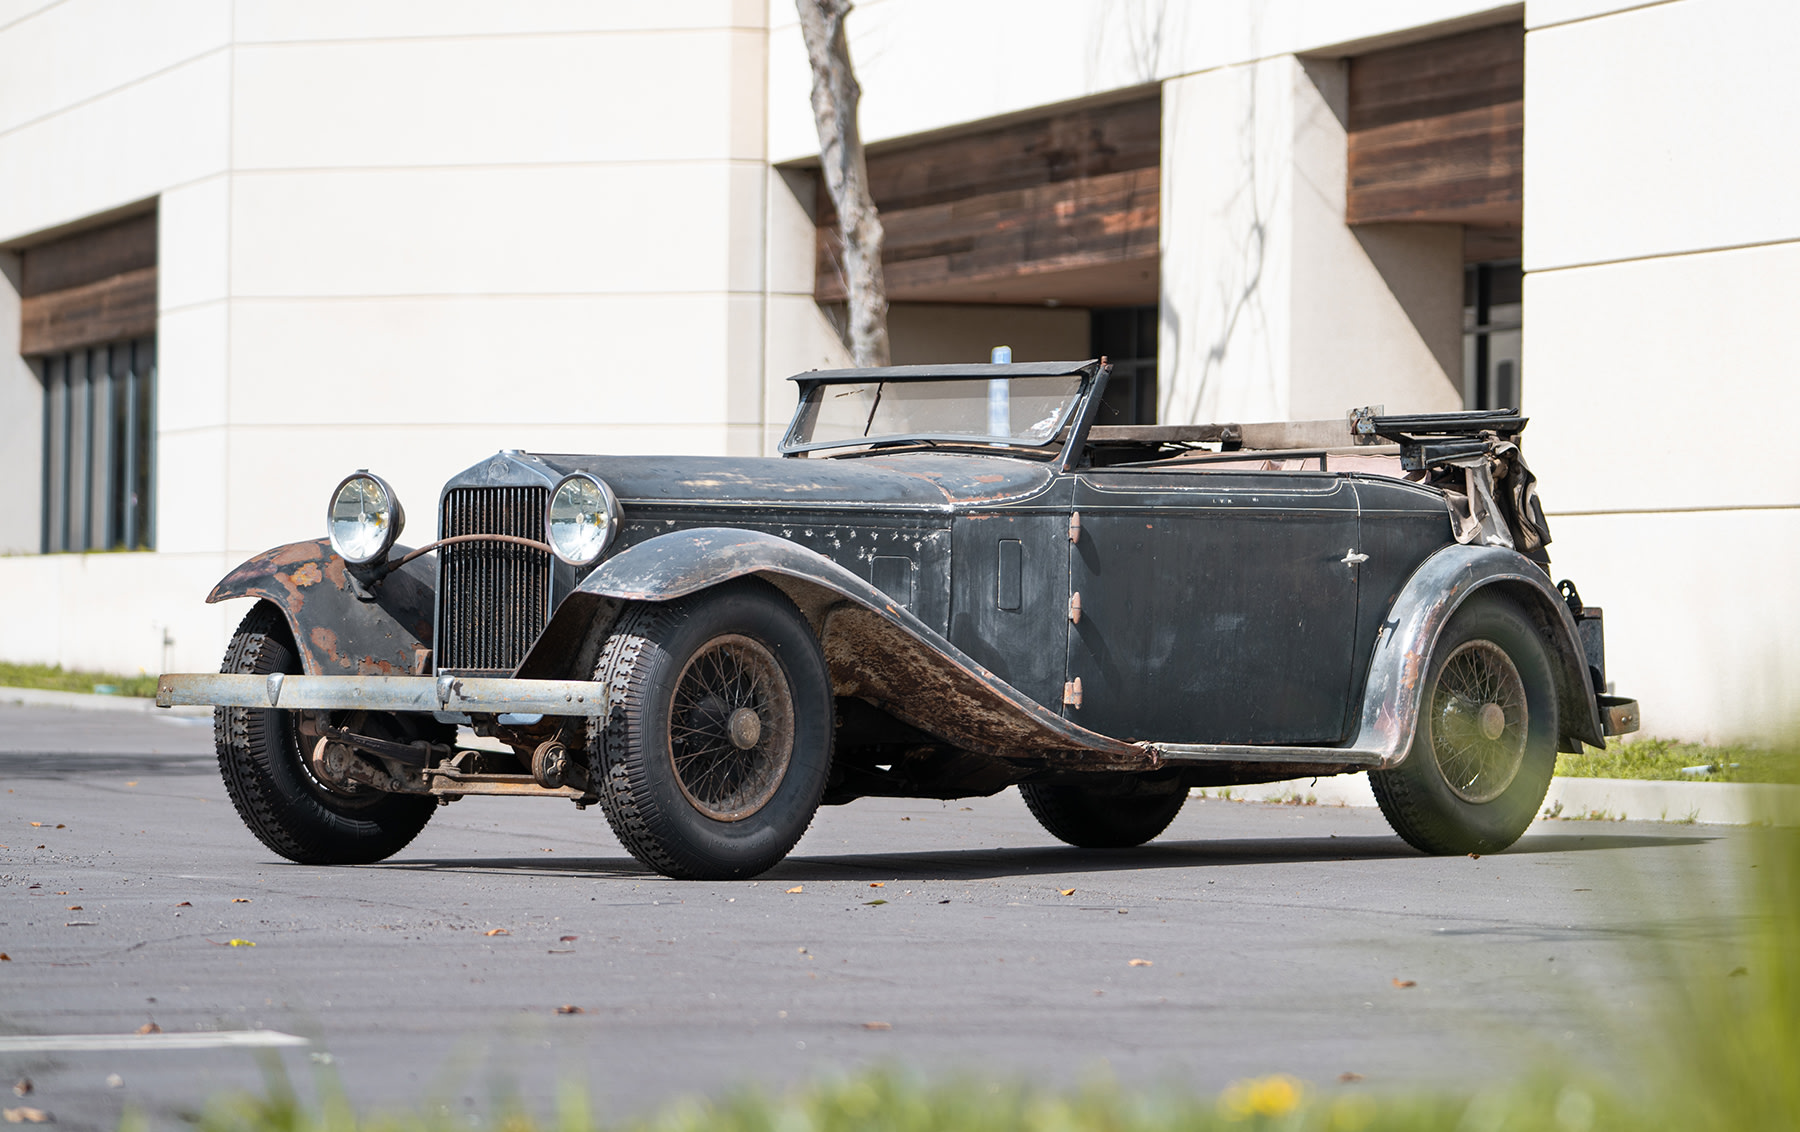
[[89, 1043]]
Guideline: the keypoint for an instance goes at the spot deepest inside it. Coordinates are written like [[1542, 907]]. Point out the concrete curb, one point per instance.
[[81, 701], [1578, 799]]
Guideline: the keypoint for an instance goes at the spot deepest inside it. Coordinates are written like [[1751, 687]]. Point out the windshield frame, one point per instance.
[[1070, 425]]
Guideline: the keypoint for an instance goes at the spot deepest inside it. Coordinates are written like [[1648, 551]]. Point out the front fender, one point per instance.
[[341, 626], [1409, 636], [877, 650]]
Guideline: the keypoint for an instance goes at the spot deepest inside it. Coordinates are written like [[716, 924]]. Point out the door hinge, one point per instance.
[[1072, 693], [1074, 526], [1075, 608], [1351, 558]]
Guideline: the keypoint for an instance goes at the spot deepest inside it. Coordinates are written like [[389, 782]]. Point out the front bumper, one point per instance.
[[446, 693]]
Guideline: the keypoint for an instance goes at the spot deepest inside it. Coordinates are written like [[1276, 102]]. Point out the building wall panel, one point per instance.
[[1655, 132], [497, 100]]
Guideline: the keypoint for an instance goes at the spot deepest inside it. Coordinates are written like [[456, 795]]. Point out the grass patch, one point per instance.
[[1666, 759], [56, 678]]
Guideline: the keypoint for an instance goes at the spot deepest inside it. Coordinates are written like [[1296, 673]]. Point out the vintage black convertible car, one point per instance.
[[952, 581]]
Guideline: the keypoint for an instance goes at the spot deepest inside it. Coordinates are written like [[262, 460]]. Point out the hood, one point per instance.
[[911, 479]]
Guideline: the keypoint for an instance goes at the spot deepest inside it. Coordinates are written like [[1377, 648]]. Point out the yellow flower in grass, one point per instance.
[[1274, 1095]]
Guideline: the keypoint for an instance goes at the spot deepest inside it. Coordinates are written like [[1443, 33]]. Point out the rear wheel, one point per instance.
[[266, 772], [1481, 761], [1082, 816], [714, 755]]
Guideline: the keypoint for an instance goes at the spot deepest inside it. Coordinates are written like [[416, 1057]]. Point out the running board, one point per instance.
[[1241, 753]]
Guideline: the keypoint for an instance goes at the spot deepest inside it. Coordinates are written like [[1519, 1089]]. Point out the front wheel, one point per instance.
[[1481, 761], [715, 752], [265, 770]]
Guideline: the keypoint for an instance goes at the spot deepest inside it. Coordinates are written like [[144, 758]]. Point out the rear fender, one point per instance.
[[342, 625], [877, 650], [1427, 602]]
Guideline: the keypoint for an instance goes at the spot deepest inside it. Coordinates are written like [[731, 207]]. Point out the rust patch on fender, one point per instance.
[[308, 574]]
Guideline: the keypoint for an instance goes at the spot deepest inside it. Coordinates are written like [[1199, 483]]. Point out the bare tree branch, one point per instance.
[[834, 98]]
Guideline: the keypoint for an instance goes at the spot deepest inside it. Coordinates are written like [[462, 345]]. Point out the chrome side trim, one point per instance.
[[384, 693]]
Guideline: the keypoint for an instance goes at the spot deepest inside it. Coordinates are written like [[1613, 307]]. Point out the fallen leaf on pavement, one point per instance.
[[27, 1115], [22, 1087], [1474, 856], [797, 888], [36, 824], [1141, 963], [149, 1028], [59, 825], [878, 1025], [1066, 891], [133, 782], [566, 1009], [878, 884], [1404, 983], [568, 938], [496, 931], [185, 904], [240, 900], [1348, 1077], [239, 943], [74, 907], [874, 902], [5, 958]]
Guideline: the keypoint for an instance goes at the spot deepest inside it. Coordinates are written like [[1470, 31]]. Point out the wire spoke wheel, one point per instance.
[[731, 728], [1479, 721]]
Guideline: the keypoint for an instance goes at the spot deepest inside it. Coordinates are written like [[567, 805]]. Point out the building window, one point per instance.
[[1491, 335], [99, 446], [1126, 336], [87, 323]]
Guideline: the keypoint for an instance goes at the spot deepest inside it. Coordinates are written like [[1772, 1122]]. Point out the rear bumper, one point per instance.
[[1618, 715], [464, 694]]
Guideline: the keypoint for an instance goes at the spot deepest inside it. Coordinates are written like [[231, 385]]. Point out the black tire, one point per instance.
[[691, 681], [1465, 787], [1092, 820], [273, 788]]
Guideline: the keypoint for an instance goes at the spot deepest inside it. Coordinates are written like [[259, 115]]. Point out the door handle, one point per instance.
[[1351, 558]]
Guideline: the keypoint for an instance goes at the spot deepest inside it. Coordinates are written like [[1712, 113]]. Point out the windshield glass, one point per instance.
[[1017, 410]]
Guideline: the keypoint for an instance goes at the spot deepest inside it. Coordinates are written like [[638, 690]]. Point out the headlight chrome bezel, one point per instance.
[[390, 532], [607, 508]]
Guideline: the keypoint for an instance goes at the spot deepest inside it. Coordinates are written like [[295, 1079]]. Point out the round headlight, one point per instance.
[[583, 516], [364, 519]]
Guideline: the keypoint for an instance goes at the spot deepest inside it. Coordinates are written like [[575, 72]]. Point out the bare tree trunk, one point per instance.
[[834, 98]]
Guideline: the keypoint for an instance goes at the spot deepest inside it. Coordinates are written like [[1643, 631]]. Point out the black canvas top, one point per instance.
[[959, 369]]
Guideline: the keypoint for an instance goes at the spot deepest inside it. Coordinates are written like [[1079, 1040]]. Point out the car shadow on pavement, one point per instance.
[[1001, 863]]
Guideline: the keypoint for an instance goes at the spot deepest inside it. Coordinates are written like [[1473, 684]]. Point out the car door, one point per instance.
[[1213, 606]]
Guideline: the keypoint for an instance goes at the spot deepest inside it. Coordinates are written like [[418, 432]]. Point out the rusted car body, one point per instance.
[[942, 608]]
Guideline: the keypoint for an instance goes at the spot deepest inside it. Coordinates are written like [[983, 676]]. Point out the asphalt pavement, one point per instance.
[[943, 938]]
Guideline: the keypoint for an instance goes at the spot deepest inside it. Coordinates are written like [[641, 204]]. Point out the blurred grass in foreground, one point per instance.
[[1722, 1054], [1667, 758], [56, 678]]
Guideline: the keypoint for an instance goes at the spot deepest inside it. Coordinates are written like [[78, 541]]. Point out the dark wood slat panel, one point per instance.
[[1086, 222], [88, 257], [1437, 131], [123, 306], [1424, 170], [1087, 142], [1439, 76]]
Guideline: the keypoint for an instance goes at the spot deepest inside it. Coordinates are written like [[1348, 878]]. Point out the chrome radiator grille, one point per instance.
[[493, 597]]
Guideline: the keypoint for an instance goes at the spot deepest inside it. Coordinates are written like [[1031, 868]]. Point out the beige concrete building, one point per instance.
[[249, 246]]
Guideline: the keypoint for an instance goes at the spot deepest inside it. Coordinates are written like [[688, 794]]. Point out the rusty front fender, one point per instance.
[[342, 626], [877, 650]]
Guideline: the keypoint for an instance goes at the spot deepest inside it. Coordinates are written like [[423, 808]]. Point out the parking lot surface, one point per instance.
[[945, 938]]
